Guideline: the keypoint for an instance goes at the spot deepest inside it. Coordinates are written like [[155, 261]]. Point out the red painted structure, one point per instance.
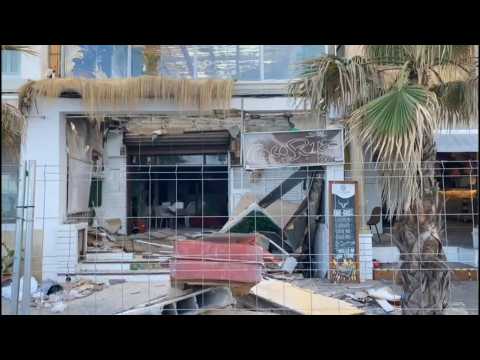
[[211, 261]]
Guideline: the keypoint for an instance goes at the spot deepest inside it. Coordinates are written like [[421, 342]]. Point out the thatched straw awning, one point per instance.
[[13, 123], [203, 94]]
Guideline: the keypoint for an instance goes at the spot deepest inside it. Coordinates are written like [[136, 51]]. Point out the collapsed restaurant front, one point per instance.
[[261, 165]]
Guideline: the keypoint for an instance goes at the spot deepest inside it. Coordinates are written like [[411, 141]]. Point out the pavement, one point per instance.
[[115, 298]]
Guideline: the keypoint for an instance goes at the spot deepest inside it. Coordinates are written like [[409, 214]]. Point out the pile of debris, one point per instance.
[[53, 296], [383, 297], [102, 235]]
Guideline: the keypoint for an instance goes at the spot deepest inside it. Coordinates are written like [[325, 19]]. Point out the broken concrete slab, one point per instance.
[[384, 293], [385, 305]]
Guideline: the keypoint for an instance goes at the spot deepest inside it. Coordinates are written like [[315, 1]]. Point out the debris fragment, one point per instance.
[[48, 287], [384, 293], [7, 290], [58, 307], [385, 305]]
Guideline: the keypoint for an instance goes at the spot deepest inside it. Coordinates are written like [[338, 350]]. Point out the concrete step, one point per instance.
[[108, 256], [121, 266], [129, 276]]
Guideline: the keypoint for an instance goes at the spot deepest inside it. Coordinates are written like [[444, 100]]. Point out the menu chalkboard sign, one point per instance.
[[343, 230]]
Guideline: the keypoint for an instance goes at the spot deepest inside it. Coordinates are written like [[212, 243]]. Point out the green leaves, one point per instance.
[[394, 113], [396, 126], [331, 81]]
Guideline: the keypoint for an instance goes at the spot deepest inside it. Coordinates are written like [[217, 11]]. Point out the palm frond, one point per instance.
[[433, 55], [388, 54], [331, 82], [21, 48], [458, 103], [13, 124], [395, 126]]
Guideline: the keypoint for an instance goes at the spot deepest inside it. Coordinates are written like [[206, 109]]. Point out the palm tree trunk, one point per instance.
[[424, 274]]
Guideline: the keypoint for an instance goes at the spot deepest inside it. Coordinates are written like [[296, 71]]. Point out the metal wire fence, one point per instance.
[[111, 239]]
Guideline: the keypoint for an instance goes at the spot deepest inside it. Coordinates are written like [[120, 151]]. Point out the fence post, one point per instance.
[[18, 238], [29, 217]]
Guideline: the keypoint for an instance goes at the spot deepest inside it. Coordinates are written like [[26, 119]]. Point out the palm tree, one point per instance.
[[394, 98], [152, 57]]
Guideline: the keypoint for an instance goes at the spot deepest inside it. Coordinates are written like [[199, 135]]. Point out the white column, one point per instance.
[[322, 240], [43, 143], [365, 257]]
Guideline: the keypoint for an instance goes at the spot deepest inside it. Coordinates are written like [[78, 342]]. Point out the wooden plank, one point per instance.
[[303, 301], [54, 58]]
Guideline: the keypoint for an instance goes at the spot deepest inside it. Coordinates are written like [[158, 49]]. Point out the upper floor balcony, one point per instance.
[[247, 64]]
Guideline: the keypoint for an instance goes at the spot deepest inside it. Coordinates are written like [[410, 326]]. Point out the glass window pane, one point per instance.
[[10, 62], [280, 60], [137, 60], [241, 62], [119, 61], [89, 61], [216, 61], [248, 62], [180, 159], [9, 193], [216, 159], [177, 61]]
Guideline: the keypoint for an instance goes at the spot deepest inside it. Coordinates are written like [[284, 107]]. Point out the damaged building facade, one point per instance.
[[123, 155]]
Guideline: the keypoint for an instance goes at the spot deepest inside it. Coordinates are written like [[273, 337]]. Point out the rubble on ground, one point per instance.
[[57, 302]]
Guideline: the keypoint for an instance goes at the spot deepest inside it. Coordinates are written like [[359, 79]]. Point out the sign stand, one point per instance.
[[344, 231]]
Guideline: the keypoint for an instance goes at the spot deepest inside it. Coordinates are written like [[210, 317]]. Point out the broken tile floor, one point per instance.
[[120, 297]]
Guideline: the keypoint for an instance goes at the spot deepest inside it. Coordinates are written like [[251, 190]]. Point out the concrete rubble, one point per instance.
[[57, 302]]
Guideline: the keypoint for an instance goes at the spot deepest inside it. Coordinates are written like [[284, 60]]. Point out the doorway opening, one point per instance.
[[177, 191]]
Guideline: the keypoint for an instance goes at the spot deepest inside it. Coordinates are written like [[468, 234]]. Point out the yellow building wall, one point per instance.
[[8, 238]]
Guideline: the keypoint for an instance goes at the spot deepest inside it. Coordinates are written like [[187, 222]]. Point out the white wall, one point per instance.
[[241, 182], [114, 188], [42, 142], [390, 254], [322, 241]]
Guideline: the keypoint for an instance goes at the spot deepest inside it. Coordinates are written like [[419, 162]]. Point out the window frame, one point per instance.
[[195, 74]]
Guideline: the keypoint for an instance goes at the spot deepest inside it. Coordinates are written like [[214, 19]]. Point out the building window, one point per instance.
[[239, 62], [10, 62], [95, 193], [9, 193]]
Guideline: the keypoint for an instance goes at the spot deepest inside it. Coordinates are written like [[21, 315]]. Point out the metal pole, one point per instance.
[[29, 216], [242, 132], [18, 239]]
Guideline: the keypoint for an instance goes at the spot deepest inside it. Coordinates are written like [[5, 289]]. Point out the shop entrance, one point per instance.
[[177, 191]]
